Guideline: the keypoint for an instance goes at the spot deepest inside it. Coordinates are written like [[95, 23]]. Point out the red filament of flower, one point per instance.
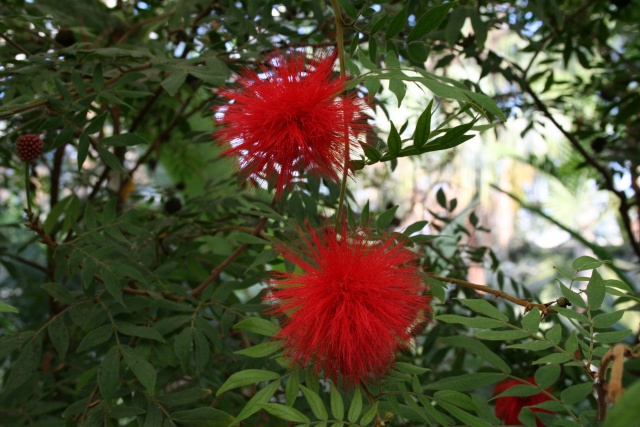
[[351, 304], [289, 117]]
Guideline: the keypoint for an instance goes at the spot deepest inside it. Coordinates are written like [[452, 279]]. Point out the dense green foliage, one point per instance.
[[138, 266]]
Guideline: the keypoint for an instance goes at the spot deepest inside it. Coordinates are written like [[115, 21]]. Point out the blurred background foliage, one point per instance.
[[124, 317]]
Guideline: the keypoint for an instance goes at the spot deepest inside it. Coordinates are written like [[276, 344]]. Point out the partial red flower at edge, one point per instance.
[[288, 117], [508, 408], [351, 305]]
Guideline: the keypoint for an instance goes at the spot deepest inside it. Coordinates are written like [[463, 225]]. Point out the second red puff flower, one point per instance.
[[351, 305], [508, 408], [288, 117]]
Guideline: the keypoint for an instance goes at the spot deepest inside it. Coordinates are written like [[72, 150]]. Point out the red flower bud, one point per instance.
[[29, 147]]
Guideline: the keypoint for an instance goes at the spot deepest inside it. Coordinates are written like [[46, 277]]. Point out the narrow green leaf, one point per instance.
[[6, 308], [291, 388], [175, 80], [478, 348], [143, 370], [567, 312], [385, 218], [111, 160], [184, 396], [59, 293], [398, 88], [261, 350], [23, 368], [595, 291], [349, 9], [482, 306], [246, 377], [315, 403], [423, 127], [531, 320], [612, 337], [466, 382], [59, 336], [138, 331], [554, 334], [253, 405], [508, 335], [258, 326], [337, 405], [370, 414], [393, 142], [429, 21], [547, 375], [532, 345], [95, 337], [605, 320], [553, 358], [96, 124], [203, 416], [285, 412], [573, 297], [463, 416], [397, 24], [576, 393], [586, 263], [473, 322], [356, 406], [109, 373], [123, 140], [410, 368]]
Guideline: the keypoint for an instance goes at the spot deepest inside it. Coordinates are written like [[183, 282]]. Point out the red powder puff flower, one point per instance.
[[350, 305], [508, 408], [288, 117]]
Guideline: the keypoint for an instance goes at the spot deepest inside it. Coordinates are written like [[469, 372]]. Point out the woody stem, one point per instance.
[[27, 183], [343, 72], [495, 292]]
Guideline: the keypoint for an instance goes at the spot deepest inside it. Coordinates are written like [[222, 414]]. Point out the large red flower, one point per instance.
[[351, 303], [288, 117], [508, 408]]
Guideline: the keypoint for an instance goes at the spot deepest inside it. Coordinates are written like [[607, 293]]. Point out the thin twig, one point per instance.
[[544, 308]]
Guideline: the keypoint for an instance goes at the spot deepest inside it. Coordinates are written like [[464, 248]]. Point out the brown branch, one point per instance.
[[528, 305], [14, 44], [27, 262], [612, 391], [220, 268], [32, 224]]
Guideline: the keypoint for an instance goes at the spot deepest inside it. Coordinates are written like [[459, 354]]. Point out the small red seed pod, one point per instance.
[[29, 147]]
